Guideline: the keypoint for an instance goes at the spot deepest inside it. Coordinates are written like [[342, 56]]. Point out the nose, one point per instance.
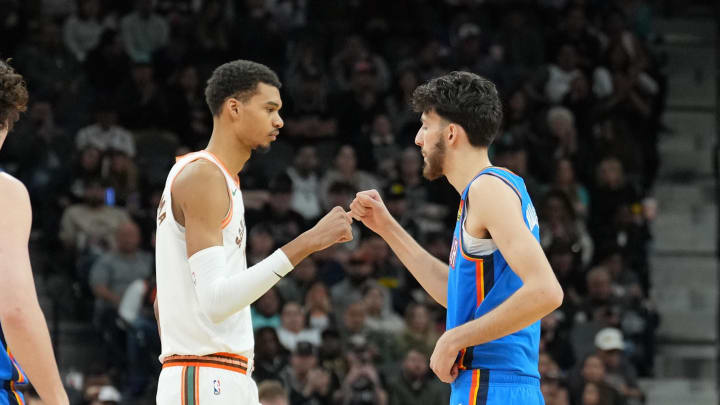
[[419, 138], [278, 122]]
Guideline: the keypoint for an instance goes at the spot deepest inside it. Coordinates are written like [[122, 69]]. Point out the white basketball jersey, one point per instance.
[[184, 329]]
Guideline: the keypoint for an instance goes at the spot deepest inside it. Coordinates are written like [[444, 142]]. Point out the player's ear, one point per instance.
[[233, 107], [452, 134]]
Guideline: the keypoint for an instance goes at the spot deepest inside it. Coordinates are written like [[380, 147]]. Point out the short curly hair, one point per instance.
[[466, 99], [238, 79], [13, 95]]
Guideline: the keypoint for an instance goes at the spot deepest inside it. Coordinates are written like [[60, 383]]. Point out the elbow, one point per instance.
[[554, 296]]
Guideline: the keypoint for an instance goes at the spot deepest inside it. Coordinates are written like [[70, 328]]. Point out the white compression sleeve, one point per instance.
[[220, 296]]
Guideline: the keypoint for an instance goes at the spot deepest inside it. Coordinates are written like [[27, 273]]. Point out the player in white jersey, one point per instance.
[[204, 287]]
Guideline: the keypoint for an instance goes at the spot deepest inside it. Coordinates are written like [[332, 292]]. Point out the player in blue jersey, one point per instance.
[[23, 331], [498, 282]]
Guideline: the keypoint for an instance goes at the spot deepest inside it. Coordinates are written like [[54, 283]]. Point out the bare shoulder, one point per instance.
[[15, 195], [200, 178], [200, 192], [492, 192]]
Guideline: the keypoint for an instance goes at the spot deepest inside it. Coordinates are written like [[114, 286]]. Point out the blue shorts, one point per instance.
[[486, 387]]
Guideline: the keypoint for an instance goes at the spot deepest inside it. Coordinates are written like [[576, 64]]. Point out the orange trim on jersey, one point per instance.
[[479, 282], [474, 386], [183, 386], [233, 355], [462, 358], [199, 364], [232, 176], [196, 388]]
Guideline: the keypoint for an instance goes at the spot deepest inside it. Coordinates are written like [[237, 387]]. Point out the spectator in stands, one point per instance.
[[82, 31], [284, 223], [271, 392], [107, 66], [105, 133], [362, 384], [190, 116], [555, 342], [212, 31], [593, 371], [48, 67], [305, 183], [414, 384], [397, 104], [310, 111], [293, 328], [270, 356], [555, 80], [142, 102], [621, 375], [260, 243], [380, 318], [90, 226], [358, 270], [419, 331], [137, 313], [560, 224], [265, 311], [114, 271], [144, 32], [565, 181], [296, 285], [121, 175], [308, 384], [345, 170], [318, 307], [575, 29], [344, 64]]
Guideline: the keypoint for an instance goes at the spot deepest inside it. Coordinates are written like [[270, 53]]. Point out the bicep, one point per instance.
[[203, 197], [501, 214]]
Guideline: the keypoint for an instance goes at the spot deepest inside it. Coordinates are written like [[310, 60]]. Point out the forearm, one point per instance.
[[526, 306], [220, 296], [300, 248], [431, 273], [28, 339]]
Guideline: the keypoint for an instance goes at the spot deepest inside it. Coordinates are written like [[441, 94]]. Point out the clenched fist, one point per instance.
[[333, 228], [369, 208]]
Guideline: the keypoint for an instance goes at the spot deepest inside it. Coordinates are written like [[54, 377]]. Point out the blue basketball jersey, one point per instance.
[[477, 284], [11, 375]]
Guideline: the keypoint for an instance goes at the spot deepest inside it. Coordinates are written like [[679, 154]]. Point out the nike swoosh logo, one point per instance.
[[234, 191]]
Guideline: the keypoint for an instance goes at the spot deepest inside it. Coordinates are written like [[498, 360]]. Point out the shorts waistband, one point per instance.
[[227, 361], [490, 377]]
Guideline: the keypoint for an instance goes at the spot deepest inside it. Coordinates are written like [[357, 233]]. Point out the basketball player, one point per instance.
[[498, 283], [204, 287], [23, 331]]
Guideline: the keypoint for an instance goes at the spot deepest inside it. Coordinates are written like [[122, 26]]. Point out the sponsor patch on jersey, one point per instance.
[[194, 278], [460, 210], [216, 387], [240, 234], [453, 252]]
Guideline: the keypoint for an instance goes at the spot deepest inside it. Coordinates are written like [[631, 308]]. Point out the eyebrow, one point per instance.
[[272, 103]]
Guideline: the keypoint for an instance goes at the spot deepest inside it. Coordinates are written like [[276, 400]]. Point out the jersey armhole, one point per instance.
[[228, 217]]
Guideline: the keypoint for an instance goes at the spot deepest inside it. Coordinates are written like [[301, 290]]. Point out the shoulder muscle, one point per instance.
[[15, 212], [201, 191]]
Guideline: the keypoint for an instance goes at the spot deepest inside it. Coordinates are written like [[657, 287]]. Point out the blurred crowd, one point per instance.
[[117, 92]]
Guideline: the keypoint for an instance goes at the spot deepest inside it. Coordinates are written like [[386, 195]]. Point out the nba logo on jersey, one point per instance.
[[216, 387], [453, 252]]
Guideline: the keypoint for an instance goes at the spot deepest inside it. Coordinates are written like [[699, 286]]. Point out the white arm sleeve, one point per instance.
[[220, 296]]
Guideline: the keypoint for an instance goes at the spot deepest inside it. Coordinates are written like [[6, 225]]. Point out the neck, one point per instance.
[[461, 168], [224, 145]]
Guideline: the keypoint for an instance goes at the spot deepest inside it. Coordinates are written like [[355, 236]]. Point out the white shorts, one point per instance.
[[195, 383]]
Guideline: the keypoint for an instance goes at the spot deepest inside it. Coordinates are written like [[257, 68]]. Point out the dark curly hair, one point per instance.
[[13, 95], [238, 79], [465, 99]]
